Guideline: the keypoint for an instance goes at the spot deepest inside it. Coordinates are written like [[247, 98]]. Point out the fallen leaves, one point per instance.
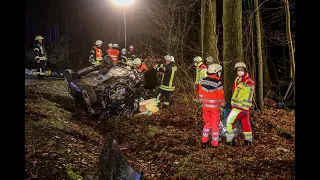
[[164, 145]]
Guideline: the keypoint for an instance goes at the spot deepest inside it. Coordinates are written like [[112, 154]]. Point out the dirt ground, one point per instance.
[[62, 141]]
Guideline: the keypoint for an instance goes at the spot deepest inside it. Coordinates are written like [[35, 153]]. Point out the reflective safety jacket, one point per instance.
[[96, 55], [168, 78], [242, 92], [114, 53], [201, 72], [40, 52], [143, 68], [123, 59], [211, 93]]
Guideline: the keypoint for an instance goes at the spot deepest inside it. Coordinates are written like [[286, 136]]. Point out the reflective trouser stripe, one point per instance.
[[206, 132], [215, 136], [166, 103], [230, 120], [248, 136]]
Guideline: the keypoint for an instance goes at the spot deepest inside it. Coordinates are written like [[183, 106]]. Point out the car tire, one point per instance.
[[89, 96]]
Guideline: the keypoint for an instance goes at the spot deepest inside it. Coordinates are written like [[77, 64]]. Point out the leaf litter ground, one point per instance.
[[165, 145]]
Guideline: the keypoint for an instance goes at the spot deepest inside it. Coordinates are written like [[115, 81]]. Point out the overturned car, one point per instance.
[[107, 89]]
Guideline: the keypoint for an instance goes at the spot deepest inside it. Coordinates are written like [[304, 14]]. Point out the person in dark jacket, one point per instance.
[[131, 53], [168, 80], [123, 57], [40, 56]]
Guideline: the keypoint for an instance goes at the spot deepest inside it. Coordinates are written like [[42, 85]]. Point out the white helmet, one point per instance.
[[209, 60], [131, 47], [38, 37], [98, 42], [240, 64], [136, 61], [124, 51], [129, 63], [110, 45], [197, 59], [171, 58], [115, 45], [214, 68], [167, 57]]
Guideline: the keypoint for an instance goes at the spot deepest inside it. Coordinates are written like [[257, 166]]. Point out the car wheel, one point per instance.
[[89, 96]]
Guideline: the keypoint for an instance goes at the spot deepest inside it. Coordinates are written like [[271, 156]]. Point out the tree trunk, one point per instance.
[[291, 49], [259, 56], [232, 42], [212, 41], [265, 57], [202, 26]]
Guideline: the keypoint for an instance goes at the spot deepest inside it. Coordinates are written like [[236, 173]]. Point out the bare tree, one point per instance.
[[291, 48], [232, 41], [171, 22], [259, 55], [211, 40]]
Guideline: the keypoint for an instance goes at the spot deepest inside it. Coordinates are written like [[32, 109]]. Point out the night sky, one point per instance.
[[81, 14]]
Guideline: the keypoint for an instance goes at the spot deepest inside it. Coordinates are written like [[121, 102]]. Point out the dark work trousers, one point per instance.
[[41, 66], [164, 96]]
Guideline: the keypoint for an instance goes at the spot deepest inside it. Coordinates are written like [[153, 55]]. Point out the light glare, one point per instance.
[[122, 2]]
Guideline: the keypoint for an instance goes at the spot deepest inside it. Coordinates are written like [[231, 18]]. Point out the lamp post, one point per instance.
[[124, 4]]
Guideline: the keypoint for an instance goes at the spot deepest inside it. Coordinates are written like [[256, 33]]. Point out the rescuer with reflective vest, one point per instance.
[[139, 65], [114, 53], [201, 72], [168, 80], [95, 57], [109, 47], [40, 55], [241, 102], [131, 53], [211, 94], [123, 57]]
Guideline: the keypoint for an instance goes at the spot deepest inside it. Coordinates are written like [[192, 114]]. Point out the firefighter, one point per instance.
[[109, 47], [241, 102], [131, 52], [168, 80], [114, 53], [95, 57], [139, 66], [129, 65], [123, 57], [40, 56], [201, 72], [211, 94]]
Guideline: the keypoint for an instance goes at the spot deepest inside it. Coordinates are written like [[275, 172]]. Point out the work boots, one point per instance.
[[205, 145], [232, 143], [247, 143]]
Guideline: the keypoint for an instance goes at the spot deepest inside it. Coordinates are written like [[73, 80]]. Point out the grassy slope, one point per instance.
[[164, 145]]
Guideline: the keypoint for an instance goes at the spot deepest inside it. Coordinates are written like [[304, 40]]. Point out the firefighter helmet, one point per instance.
[[124, 51], [167, 57], [197, 59], [110, 45], [171, 58], [136, 61], [214, 68], [209, 60], [240, 64], [131, 47], [115, 45], [38, 37], [98, 42]]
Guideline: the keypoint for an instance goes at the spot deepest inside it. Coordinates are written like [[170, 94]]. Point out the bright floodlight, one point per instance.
[[122, 2]]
